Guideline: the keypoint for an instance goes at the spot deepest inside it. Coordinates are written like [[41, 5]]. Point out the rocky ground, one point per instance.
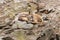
[[29, 19]]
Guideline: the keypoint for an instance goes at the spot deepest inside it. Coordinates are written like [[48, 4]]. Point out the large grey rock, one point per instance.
[[23, 25]]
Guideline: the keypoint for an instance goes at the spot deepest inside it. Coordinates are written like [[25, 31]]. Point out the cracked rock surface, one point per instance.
[[29, 19]]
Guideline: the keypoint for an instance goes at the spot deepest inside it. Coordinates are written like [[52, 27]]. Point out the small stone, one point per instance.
[[28, 26]]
